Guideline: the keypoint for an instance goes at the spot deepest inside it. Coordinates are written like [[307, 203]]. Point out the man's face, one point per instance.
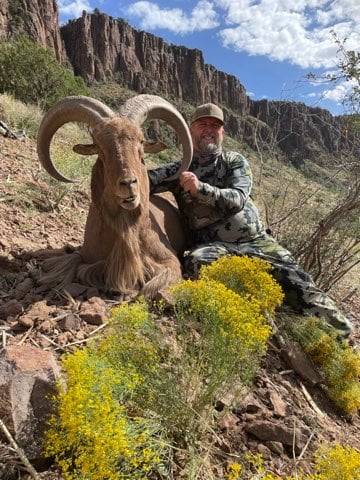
[[207, 135]]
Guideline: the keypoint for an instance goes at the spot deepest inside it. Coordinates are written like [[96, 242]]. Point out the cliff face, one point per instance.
[[100, 47], [301, 131], [39, 19]]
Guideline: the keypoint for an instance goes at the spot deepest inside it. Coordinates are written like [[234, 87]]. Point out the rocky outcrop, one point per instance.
[[301, 132], [39, 19], [100, 47], [27, 382]]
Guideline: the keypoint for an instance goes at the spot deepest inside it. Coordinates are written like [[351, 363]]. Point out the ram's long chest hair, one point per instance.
[[130, 263]]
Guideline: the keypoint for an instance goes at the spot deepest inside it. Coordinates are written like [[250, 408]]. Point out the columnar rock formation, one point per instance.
[[39, 19], [102, 48]]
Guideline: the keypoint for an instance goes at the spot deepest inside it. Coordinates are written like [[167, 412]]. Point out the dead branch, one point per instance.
[[19, 451]]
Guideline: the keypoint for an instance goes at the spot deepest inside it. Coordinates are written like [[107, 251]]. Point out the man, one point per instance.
[[214, 196]]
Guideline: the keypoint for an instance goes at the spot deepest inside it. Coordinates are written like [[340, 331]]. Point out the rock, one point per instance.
[[250, 404], [276, 447], [27, 380], [279, 406], [267, 431], [146, 62], [297, 359], [12, 308], [70, 322], [26, 322], [39, 313], [94, 311], [228, 421], [39, 18]]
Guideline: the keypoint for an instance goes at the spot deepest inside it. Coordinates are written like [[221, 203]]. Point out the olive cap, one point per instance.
[[208, 110]]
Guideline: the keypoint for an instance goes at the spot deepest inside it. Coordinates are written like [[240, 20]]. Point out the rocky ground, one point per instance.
[[285, 416]]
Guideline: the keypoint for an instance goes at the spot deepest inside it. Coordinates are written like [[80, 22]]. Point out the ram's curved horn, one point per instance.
[[69, 109], [147, 107]]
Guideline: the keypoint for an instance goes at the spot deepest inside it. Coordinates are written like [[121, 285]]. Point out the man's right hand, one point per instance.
[[189, 182]]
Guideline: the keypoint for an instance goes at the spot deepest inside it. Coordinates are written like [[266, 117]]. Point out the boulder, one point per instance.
[[28, 378]]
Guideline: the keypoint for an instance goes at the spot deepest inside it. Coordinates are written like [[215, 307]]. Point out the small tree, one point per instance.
[[334, 247], [32, 74], [329, 242]]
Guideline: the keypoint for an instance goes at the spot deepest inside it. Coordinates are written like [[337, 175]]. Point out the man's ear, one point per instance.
[[151, 146], [86, 149]]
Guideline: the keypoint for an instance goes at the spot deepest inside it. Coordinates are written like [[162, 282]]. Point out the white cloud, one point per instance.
[[339, 92], [73, 8], [297, 31], [202, 17]]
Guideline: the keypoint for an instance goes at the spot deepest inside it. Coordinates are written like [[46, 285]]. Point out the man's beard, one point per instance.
[[209, 148]]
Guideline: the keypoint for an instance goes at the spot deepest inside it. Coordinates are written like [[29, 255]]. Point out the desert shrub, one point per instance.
[[220, 339], [335, 462], [134, 397], [249, 277], [96, 434], [330, 462], [339, 363], [33, 75]]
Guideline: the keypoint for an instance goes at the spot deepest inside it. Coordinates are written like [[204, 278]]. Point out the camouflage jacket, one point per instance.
[[222, 209]]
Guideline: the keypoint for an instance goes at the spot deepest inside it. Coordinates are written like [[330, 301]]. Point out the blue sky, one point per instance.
[[269, 45]]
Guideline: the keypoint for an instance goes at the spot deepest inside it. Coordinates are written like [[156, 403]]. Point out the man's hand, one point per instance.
[[189, 182]]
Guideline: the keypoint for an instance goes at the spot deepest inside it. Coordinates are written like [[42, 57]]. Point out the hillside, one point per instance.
[[284, 417]]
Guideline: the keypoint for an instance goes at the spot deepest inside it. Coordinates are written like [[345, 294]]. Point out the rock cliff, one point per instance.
[[301, 132], [101, 48], [39, 19]]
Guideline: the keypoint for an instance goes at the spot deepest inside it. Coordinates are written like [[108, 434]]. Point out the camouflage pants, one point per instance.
[[301, 293]]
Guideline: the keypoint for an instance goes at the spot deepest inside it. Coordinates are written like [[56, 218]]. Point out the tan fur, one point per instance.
[[123, 250]]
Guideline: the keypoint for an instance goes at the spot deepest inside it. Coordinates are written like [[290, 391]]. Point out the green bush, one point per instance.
[[339, 363], [146, 390], [331, 462], [33, 75]]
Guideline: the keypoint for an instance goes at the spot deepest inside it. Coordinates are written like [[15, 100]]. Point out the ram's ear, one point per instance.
[[151, 146], [86, 149]]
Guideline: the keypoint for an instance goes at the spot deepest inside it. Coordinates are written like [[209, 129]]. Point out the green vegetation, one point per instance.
[[136, 398], [140, 402], [339, 363], [17, 13], [32, 74], [331, 462]]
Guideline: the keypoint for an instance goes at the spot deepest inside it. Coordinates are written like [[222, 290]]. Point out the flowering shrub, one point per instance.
[[331, 462], [94, 436], [222, 338], [339, 363], [334, 462], [225, 317], [249, 277]]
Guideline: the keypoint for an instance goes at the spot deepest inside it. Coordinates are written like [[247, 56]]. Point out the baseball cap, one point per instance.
[[208, 110]]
